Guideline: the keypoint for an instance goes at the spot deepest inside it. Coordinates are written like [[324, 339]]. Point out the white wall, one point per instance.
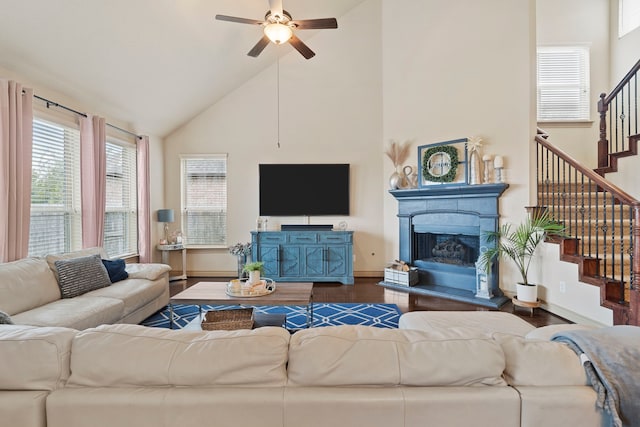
[[625, 52], [459, 69], [576, 301], [330, 112], [578, 22]]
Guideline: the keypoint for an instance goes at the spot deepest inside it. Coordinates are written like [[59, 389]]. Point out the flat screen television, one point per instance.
[[304, 189]]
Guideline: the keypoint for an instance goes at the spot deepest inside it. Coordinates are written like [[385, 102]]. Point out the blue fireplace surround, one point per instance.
[[442, 214]]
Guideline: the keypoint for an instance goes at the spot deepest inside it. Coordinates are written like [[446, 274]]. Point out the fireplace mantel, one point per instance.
[[453, 210], [451, 190]]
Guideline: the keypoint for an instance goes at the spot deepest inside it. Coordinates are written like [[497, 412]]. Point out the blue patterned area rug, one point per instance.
[[324, 314]]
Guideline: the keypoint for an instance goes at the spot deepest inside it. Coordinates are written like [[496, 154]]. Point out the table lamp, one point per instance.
[[166, 216]]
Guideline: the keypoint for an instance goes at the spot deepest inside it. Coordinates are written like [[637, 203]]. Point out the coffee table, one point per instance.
[[215, 293]]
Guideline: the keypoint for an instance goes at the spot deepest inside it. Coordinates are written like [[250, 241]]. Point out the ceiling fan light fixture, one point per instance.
[[278, 33]]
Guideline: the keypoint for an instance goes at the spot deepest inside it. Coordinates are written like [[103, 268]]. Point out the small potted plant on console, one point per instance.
[[518, 243]]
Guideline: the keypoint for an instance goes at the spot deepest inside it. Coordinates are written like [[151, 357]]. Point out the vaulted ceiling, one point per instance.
[[151, 64]]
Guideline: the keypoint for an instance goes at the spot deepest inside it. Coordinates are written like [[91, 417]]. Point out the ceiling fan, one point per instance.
[[279, 27]]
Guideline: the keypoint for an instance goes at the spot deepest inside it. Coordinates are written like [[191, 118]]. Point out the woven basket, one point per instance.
[[237, 318]]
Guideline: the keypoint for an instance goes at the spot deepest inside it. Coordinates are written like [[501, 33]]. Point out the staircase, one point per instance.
[[619, 133], [602, 220]]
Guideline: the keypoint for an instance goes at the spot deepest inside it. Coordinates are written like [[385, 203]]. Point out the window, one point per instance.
[[204, 199], [563, 83], [56, 224], [121, 212], [628, 16], [56, 219]]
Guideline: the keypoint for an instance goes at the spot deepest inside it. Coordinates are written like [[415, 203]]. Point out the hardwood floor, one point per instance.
[[366, 289]]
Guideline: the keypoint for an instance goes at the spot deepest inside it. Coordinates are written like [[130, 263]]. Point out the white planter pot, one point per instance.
[[527, 293], [254, 277]]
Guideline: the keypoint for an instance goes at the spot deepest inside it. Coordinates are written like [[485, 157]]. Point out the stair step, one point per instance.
[[596, 271], [573, 210], [632, 150]]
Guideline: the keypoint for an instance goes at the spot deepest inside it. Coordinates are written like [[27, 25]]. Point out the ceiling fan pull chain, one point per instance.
[[278, 95]]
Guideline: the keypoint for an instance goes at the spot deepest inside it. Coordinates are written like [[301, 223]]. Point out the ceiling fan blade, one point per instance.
[[238, 20], [316, 24], [276, 7], [259, 47], [301, 47]]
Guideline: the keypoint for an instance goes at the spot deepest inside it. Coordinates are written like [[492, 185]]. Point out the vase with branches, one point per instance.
[[398, 152], [242, 251]]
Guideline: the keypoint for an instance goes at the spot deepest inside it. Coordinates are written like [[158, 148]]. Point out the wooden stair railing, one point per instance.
[[619, 131], [603, 223]]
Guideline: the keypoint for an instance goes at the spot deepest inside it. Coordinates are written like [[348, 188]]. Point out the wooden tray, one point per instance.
[[270, 287]]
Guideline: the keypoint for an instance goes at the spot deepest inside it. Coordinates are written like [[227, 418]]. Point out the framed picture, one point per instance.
[[443, 163]]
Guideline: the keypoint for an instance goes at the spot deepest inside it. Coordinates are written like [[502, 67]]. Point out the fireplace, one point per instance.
[[441, 233]]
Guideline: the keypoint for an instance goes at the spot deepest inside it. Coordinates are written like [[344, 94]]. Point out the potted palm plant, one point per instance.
[[518, 243]]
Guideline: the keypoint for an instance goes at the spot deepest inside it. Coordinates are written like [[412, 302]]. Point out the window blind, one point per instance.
[[56, 224], [121, 211], [628, 16], [563, 83], [204, 199]]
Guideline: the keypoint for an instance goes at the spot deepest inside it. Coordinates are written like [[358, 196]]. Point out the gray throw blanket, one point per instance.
[[613, 367]]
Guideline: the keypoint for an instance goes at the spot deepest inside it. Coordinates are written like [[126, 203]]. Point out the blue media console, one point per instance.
[[305, 255]]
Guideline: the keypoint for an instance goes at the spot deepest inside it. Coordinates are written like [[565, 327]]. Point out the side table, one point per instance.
[[165, 258]]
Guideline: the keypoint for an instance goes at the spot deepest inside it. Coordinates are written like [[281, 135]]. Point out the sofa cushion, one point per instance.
[[147, 271], [361, 355], [78, 276], [78, 313], [481, 321], [34, 358], [26, 284], [546, 332], [134, 293], [115, 269], [25, 408], [180, 358], [52, 258], [5, 319], [531, 362]]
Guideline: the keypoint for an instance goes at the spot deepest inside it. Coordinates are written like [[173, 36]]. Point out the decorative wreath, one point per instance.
[[449, 176]]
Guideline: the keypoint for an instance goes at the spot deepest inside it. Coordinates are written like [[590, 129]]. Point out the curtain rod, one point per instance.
[[55, 104]]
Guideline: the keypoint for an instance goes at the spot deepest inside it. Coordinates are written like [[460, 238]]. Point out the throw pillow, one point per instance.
[[5, 319], [77, 276], [115, 269]]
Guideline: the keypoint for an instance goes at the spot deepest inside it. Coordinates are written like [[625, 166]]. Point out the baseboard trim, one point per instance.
[[570, 315], [376, 273]]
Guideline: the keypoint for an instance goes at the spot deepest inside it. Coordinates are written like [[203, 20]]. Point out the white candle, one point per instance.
[[498, 162], [486, 158]]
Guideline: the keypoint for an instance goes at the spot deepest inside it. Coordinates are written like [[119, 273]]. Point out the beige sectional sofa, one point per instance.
[[456, 375], [30, 294]]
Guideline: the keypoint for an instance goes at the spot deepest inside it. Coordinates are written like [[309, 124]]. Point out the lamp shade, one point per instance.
[[278, 33], [165, 215]]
